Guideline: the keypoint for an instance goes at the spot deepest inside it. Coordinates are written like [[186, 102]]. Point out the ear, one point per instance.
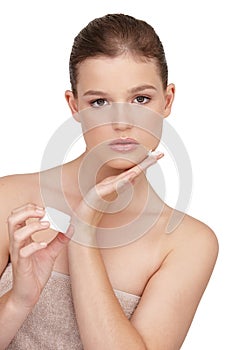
[[169, 98], [72, 103]]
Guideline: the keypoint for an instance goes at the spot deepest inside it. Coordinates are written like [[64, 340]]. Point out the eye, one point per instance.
[[100, 102], [142, 99]]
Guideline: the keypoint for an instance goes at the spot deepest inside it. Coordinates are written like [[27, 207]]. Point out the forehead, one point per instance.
[[119, 72]]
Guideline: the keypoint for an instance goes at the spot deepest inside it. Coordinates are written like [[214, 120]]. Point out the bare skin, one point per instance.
[[169, 272]]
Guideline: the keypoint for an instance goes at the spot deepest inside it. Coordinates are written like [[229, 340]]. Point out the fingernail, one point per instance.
[[155, 153], [40, 211], [43, 244], [45, 223]]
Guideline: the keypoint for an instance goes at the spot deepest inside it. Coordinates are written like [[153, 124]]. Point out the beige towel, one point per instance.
[[52, 324]]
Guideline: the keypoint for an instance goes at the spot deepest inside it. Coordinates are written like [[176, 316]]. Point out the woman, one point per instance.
[[142, 292]]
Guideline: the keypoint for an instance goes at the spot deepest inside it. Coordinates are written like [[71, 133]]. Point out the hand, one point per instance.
[[92, 207], [32, 262]]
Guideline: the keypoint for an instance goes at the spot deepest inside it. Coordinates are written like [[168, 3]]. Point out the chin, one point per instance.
[[121, 164]]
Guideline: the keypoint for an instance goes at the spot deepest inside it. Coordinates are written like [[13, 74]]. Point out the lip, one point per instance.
[[123, 145], [121, 141]]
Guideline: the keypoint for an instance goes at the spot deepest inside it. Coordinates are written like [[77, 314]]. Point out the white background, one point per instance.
[[36, 38]]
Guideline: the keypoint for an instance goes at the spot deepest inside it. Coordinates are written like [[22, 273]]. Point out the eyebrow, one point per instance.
[[142, 88], [132, 90], [94, 92]]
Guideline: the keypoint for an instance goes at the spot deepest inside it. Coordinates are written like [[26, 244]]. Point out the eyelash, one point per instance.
[[94, 101], [104, 100], [144, 97]]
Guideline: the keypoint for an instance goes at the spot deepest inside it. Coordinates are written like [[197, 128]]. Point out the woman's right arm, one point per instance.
[[32, 263], [12, 317]]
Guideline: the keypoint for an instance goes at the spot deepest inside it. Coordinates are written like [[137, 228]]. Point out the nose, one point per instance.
[[121, 126], [121, 116]]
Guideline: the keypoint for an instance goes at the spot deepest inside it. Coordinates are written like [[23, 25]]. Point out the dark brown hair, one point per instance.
[[113, 35]]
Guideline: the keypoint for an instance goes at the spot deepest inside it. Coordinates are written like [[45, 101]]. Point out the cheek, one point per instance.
[[149, 127], [159, 106], [97, 136], [150, 140]]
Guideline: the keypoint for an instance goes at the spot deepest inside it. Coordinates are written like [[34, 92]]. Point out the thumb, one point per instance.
[[59, 242]]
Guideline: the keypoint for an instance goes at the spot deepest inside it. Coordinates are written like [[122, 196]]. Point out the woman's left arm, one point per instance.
[[167, 306], [101, 320]]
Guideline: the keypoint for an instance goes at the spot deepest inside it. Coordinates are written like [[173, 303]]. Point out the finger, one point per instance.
[[59, 242], [28, 230], [20, 215], [23, 235], [151, 159], [25, 206], [148, 161], [31, 249], [106, 191], [127, 177]]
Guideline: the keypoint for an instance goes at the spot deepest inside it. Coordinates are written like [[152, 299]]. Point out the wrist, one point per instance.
[[14, 302], [84, 234]]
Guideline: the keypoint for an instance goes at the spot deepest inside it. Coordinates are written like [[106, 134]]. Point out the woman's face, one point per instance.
[[120, 98]]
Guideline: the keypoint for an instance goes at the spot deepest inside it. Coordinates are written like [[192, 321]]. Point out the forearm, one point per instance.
[[12, 317], [102, 322]]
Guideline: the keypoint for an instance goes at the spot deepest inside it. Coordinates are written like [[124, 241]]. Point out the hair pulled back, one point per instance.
[[115, 34]]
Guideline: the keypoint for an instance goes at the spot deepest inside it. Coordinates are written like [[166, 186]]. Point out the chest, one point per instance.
[[129, 267]]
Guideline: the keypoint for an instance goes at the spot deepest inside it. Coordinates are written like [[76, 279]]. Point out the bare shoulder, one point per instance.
[[15, 190], [183, 234], [194, 241], [197, 235]]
